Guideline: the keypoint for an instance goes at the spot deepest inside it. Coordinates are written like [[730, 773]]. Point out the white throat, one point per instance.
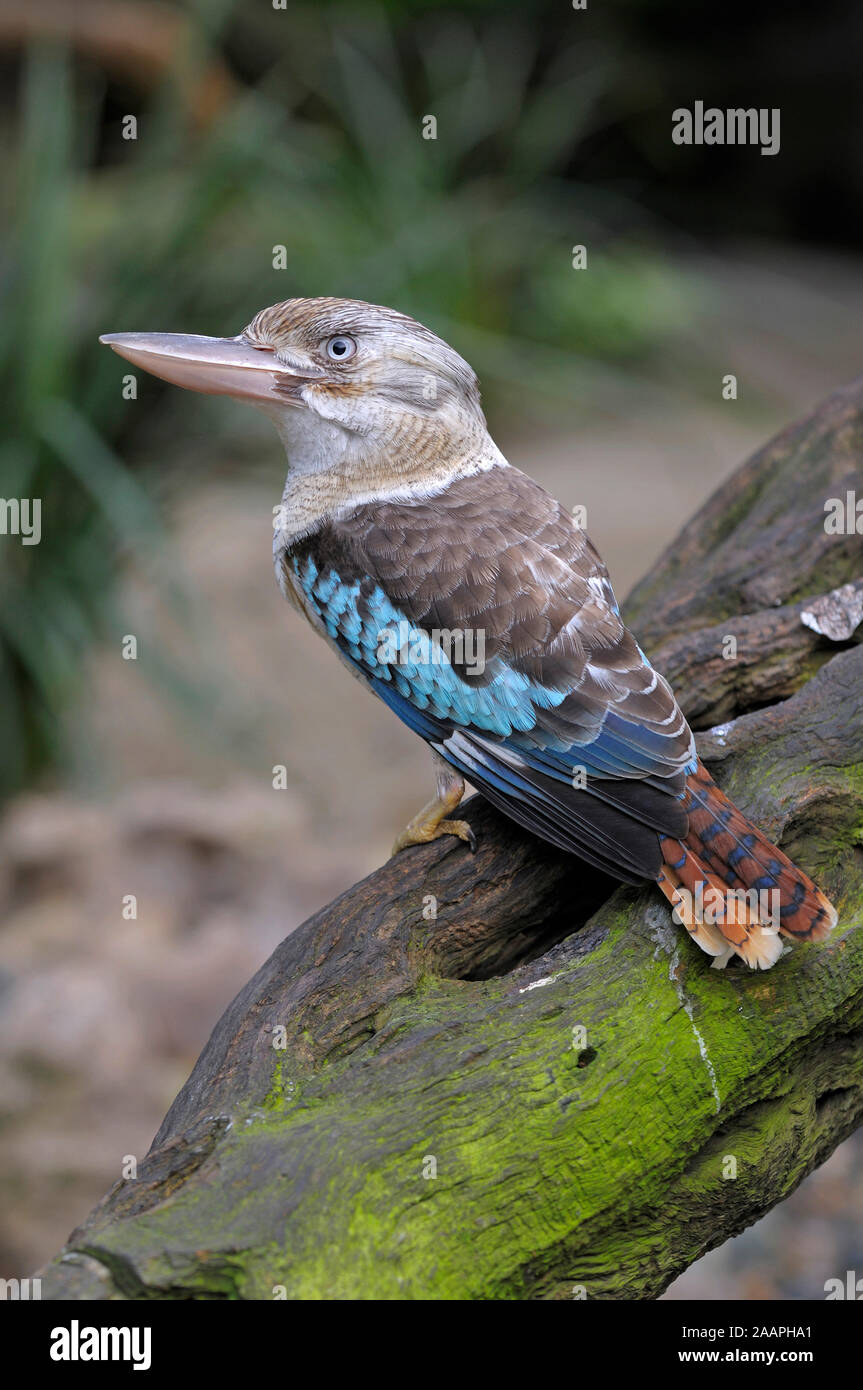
[[332, 469]]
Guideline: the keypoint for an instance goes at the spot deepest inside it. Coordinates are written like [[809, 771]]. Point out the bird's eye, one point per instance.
[[340, 348]]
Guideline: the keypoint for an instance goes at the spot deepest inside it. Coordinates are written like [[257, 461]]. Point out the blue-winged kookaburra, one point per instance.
[[467, 599]]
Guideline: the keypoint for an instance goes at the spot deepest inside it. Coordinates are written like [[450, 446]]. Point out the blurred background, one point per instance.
[[260, 125]]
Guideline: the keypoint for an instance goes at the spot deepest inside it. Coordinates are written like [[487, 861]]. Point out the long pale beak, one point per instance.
[[217, 366]]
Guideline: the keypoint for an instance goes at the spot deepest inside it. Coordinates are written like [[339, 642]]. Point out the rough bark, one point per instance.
[[550, 1044]]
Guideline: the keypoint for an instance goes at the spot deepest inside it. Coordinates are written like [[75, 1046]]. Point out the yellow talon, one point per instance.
[[432, 822], [419, 834]]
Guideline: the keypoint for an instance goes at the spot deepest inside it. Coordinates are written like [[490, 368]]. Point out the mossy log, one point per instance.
[[503, 1076]]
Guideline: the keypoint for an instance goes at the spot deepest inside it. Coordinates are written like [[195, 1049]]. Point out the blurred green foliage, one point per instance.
[[300, 128]]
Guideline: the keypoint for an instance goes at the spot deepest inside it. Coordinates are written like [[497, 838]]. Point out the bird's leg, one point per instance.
[[432, 822]]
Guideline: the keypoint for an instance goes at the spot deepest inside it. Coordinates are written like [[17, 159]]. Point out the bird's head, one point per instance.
[[347, 383]]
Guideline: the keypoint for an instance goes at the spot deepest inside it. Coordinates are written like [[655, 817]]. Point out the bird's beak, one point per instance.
[[218, 366]]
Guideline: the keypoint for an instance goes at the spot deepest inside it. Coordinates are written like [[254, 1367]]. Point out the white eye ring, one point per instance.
[[340, 348]]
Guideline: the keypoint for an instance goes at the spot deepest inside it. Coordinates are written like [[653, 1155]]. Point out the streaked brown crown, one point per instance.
[[384, 336]]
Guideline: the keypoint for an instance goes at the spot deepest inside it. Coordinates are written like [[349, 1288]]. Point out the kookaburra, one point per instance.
[[468, 599]]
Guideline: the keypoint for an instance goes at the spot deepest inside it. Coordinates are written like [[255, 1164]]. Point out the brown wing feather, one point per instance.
[[496, 551]]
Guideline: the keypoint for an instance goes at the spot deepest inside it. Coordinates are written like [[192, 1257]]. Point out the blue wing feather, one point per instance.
[[429, 695]]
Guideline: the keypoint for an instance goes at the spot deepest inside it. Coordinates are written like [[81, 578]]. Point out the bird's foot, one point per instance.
[[422, 831], [433, 820]]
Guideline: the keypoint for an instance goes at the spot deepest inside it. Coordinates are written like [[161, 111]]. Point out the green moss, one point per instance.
[[545, 1168]]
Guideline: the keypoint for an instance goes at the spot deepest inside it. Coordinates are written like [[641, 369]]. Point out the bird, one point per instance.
[[472, 603]]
